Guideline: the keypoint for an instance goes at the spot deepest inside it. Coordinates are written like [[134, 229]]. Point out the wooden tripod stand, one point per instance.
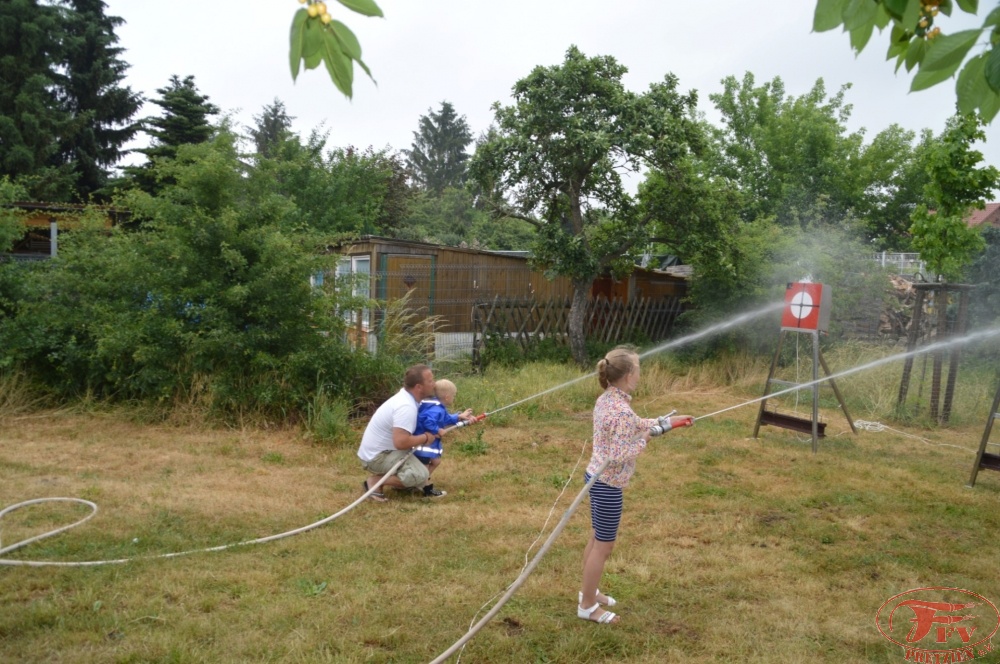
[[814, 426], [985, 459]]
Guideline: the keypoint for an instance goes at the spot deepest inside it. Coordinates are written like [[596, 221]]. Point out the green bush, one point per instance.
[[206, 299]]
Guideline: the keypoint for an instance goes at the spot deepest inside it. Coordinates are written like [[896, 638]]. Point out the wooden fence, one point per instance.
[[527, 321]]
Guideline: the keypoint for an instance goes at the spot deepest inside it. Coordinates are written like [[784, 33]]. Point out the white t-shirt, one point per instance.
[[398, 412]]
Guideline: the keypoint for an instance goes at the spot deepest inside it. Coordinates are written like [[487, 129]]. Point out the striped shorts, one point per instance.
[[605, 510]]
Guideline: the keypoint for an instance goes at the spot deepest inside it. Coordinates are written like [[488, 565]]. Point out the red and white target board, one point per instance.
[[807, 307]]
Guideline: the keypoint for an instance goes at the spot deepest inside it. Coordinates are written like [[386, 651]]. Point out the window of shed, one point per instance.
[[354, 273]]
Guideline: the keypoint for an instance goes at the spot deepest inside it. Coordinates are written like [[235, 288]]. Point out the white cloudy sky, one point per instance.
[[470, 52]]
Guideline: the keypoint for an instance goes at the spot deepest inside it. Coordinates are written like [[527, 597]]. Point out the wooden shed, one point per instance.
[[448, 281], [45, 221]]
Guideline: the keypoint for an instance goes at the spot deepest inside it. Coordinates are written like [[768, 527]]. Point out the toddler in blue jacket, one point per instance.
[[433, 416]]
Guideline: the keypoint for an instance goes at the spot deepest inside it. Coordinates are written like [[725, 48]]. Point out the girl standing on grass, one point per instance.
[[619, 436]]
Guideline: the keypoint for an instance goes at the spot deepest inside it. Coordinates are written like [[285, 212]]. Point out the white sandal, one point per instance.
[[611, 600], [605, 618]]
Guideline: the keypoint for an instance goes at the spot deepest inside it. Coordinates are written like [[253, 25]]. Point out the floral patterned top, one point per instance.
[[617, 436]]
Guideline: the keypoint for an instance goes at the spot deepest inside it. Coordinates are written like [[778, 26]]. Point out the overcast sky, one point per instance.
[[470, 52]]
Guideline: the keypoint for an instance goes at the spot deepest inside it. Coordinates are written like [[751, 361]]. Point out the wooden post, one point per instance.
[[961, 326], [767, 385], [911, 343], [836, 392], [983, 458], [940, 334], [815, 388], [53, 237]]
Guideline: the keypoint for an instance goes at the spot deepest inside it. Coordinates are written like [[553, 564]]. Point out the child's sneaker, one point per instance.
[[431, 492]]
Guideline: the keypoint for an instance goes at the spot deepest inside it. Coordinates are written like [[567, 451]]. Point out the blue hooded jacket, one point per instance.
[[432, 416]]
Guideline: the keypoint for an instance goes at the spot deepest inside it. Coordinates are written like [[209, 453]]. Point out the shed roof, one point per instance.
[[425, 245], [525, 255]]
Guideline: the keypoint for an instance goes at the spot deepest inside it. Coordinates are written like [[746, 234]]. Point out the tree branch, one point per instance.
[[499, 210]]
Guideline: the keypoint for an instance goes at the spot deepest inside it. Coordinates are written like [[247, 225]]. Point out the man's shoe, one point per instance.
[[431, 492], [377, 496]]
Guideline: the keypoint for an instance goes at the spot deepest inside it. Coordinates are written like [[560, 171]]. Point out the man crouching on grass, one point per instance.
[[389, 438]]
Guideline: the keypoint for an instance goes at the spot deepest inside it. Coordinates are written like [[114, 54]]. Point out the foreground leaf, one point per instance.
[[313, 40], [992, 69], [348, 40], [337, 64], [948, 51], [829, 14], [971, 85], [926, 78], [366, 7], [297, 39], [895, 7]]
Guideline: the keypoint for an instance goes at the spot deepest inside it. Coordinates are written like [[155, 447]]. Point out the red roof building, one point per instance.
[[989, 215]]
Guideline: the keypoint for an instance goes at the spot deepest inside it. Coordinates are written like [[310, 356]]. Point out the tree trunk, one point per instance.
[[577, 322]]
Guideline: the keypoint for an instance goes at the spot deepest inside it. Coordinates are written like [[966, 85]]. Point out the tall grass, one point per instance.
[[18, 395], [328, 419], [405, 332]]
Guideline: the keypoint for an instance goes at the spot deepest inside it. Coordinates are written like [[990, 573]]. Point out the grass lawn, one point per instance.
[[731, 549]]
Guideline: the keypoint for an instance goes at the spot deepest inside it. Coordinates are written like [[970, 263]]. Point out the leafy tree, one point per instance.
[[558, 155], [788, 154], [91, 90], [984, 306], [184, 122], [373, 184], [438, 158], [317, 38], [893, 171], [793, 159], [345, 191], [13, 281], [11, 226], [915, 41], [32, 120], [446, 219], [227, 319], [452, 219], [272, 127], [697, 217], [504, 234], [956, 186]]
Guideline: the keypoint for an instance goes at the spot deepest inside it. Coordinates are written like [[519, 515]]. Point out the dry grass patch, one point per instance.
[[731, 548]]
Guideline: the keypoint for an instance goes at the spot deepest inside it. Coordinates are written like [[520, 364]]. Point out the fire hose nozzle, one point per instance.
[[474, 420]]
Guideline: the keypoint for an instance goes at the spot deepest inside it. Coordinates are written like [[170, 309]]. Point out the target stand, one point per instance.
[[986, 459], [807, 310]]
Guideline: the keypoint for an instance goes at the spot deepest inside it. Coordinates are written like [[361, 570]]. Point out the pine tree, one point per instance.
[[32, 121], [438, 157], [63, 116], [273, 126], [184, 121], [102, 109]]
